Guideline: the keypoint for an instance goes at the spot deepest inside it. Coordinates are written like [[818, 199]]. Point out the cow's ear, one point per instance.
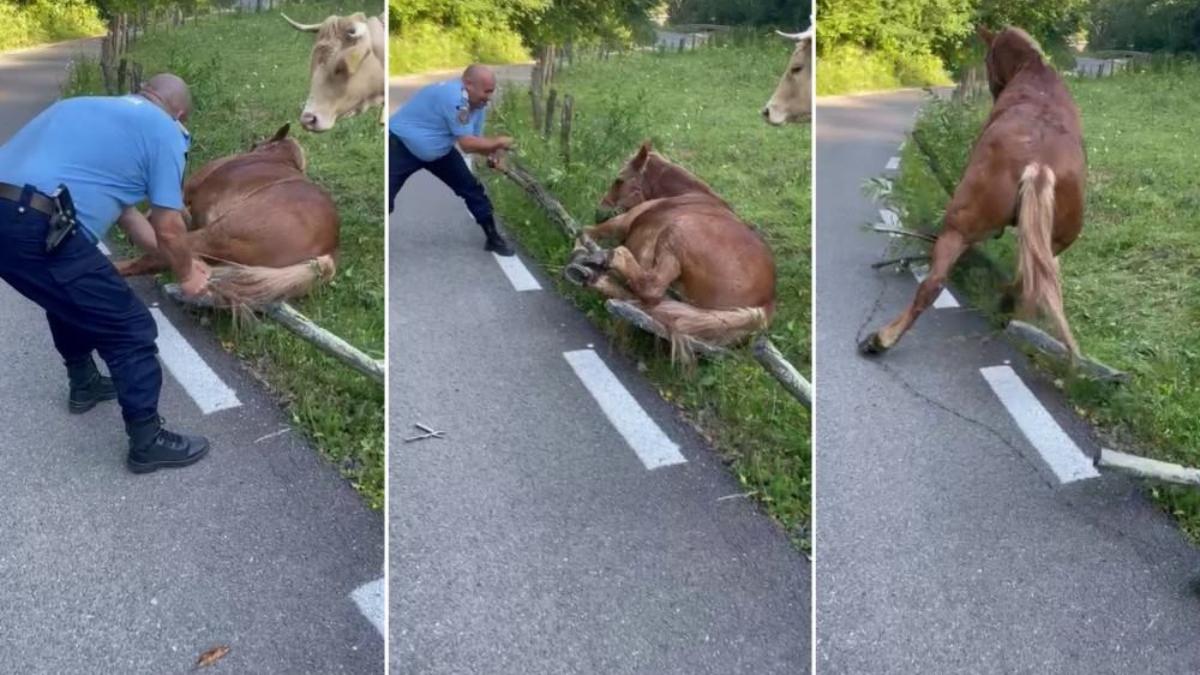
[[643, 153], [282, 133], [984, 34]]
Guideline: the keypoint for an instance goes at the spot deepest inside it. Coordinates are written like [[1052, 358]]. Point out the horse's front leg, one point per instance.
[[649, 284], [950, 245]]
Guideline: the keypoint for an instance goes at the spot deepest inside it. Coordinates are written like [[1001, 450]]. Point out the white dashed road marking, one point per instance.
[[893, 164], [945, 299], [642, 434], [205, 387], [518, 275], [1061, 453], [369, 598]]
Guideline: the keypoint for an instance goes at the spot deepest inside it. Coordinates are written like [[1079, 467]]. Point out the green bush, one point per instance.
[[427, 46], [850, 68], [41, 21]]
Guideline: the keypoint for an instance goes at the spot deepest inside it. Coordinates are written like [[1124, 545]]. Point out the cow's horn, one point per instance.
[[796, 36], [309, 27]]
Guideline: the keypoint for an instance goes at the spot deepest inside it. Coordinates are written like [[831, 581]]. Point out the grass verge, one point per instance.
[[711, 125], [249, 75], [1131, 285]]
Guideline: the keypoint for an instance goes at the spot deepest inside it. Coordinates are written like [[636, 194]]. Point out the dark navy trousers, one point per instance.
[[88, 304], [451, 170]]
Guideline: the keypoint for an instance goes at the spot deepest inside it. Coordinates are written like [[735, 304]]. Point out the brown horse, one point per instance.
[[1027, 167], [684, 238], [258, 211]]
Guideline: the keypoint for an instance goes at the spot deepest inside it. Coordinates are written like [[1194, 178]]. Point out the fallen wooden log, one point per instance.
[[509, 167], [1047, 345], [631, 313], [302, 327], [1144, 467], [771, 359]]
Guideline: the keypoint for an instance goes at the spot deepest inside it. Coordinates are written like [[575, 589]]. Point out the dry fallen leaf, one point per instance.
[[212, 656]]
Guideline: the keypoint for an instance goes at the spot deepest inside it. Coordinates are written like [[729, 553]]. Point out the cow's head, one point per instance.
[[626, 191], [281, 144], [792, 100], [346, 73]]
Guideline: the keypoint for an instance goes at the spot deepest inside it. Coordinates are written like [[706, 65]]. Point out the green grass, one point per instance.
[[701, 110], [1132, 280], [425, 46], [249, 75], [45, 21], [847, 69]]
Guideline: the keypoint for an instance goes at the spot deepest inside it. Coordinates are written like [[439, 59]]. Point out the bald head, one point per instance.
[[480, 83], [170, 93]]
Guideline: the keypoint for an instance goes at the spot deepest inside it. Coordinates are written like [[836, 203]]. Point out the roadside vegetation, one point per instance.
[[249, 76], [26, 24], [869, 45], [701, 109], [1131, 281]]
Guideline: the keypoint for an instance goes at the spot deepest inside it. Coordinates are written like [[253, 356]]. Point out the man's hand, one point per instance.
[[504, 142], [496, 159], [195, 283]]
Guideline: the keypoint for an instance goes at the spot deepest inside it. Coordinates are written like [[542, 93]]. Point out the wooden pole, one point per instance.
[[1045, 344], [550, 102], [568, 115], [773, 361], [302, 327], [1144, 467], [122, 74], [535, 95], [633, 314], [552, 206]]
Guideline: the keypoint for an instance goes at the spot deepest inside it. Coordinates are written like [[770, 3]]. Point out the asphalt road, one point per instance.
[[258, 547], [944, 542], [532, 539]]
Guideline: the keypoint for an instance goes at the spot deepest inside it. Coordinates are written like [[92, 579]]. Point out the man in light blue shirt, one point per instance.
[[106, 154], [423, 134]]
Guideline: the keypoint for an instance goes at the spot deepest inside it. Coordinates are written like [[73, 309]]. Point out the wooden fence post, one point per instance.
[[535, 95], [122, 73], [568, 113], [550, 101]]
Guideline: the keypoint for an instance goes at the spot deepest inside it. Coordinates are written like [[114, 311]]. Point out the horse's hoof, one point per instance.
[[871, 345], [578, 274]]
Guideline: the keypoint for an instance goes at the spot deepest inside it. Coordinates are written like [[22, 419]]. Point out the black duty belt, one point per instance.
[[37, 201]]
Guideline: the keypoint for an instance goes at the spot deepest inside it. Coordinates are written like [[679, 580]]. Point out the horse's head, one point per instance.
[[1008, 51], [282, 145], [627, 190]]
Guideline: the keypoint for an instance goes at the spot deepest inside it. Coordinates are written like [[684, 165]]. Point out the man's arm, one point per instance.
[[484, 145], [138, 229], [172, 243]]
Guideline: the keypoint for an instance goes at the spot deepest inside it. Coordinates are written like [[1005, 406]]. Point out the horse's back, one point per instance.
[[263, 213], [1034, 121]]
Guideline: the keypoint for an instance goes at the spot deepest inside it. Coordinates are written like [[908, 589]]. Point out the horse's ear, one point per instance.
[[282, 133], [984, 34], [643, 153]]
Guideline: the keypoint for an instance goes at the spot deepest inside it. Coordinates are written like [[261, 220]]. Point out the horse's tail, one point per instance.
[[1036, 265], [254, 286], [718, 327]]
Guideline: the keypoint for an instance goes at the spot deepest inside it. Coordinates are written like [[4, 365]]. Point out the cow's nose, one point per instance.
[[766, 112], [308, 120]]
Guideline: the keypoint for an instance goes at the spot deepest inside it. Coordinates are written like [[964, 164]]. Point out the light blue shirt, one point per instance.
[[110, 151], [434, 118]]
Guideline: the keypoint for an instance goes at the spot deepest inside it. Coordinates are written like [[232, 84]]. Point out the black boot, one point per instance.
[[495, 242], [88, 386], [151, 447]]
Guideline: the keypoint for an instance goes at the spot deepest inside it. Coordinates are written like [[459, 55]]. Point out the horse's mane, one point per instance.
[[664, 165]]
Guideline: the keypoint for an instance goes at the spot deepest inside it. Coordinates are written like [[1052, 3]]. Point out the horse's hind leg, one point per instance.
[[950, 245]]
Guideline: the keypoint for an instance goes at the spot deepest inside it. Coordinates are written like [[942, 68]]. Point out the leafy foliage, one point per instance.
[[32, 22]]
